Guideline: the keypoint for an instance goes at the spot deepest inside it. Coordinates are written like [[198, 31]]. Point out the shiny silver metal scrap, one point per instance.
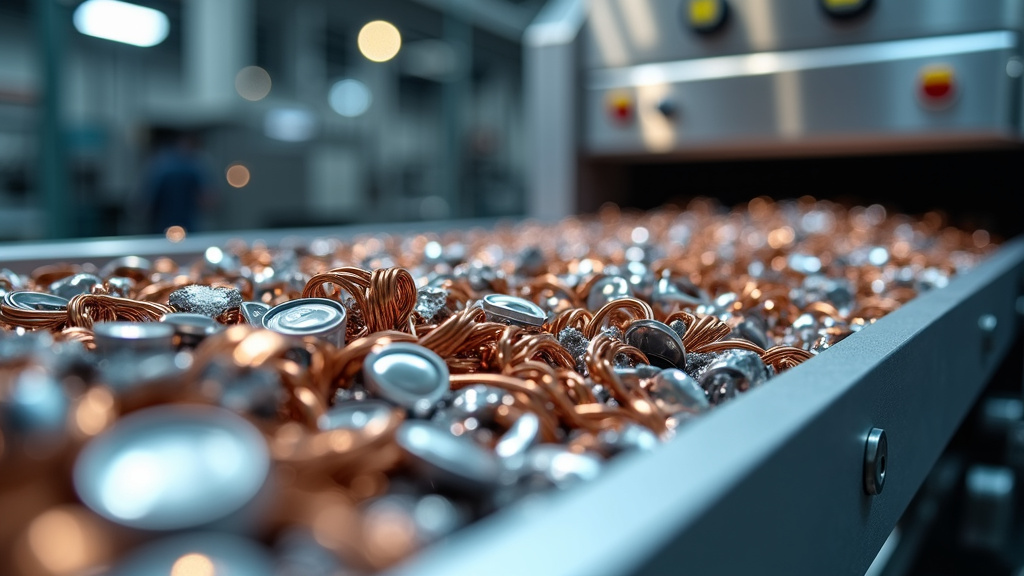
[[133, 336], [406, 374], [173, 467], [606, 290], [191, 329], [675, 391], [29, 300], [370, 415], [253, 312], [75, 284], [443, 458], [512, 310], [319, 317], [660, 343]]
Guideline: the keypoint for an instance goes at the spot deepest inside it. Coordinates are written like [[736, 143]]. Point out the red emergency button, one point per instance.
[[620, 108], [937, 86]]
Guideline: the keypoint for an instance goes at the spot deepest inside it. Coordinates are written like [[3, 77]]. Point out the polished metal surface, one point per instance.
[[628, 32], [173, 467]]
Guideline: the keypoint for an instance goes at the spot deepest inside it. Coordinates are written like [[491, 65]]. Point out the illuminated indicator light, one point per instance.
[[937, 85], [238, 175], [845, 7], [620, 107], [706, 15]]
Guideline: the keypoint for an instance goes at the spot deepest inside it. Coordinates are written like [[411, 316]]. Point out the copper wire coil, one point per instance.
[[576, 318], [618, 313], [76, 334], [85, 309], [43, 276], [33, 319]]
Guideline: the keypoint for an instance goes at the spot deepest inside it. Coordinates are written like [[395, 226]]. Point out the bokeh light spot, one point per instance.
[[252, 83], [238, 175], [193, 565], [175, 233], [349, 97], [379, 41]]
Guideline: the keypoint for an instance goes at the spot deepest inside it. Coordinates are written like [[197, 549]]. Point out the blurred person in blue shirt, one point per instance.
[[177, 186]]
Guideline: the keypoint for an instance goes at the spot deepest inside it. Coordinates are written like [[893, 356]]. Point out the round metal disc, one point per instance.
[[370, 415], [305, 316], [407, 374], [606, 290], [110, 336], [445, 458], [660, 343], [513, 309], [191, 324], [28, 300], [172, 467]]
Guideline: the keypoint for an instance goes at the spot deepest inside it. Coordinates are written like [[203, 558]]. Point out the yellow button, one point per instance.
[[844, 7], [843, 3], [706, 15]]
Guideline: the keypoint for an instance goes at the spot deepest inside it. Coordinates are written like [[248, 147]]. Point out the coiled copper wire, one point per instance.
[[85, 309]]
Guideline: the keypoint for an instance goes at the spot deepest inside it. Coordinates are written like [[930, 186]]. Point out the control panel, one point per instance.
[[728, 75]]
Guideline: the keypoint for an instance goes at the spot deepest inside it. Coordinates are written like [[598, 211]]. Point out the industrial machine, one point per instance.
[[616, 84]]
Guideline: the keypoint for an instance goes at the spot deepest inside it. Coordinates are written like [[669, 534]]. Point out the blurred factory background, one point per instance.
[[327, 112], [296, 118]]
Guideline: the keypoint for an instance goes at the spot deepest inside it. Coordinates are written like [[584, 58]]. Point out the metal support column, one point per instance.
[[51, 19]]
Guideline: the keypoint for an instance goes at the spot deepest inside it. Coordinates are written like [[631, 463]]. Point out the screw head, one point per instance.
[[875, 461]]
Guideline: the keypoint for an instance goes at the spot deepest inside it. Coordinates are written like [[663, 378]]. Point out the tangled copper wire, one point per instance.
[[704, 251]]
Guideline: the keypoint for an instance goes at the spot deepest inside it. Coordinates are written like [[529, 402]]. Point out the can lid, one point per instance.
[[29, 300], [188, 324], [132, 335], [305, 316], [172, 467], [446, 458], [407, 374], [514, 309], [254, 312]]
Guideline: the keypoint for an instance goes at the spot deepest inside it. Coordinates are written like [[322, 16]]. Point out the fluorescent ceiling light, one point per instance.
[[121, 22]]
